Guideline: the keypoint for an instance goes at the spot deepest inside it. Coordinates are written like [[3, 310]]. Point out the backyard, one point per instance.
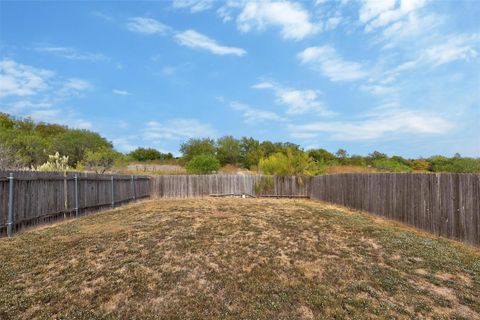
[[232, 258]]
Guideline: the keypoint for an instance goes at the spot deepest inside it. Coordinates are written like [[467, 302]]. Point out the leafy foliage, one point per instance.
[[196, 147], [228, 150], [101, 159], [203, 164], [289, 164], [32, 143], [146, 154]]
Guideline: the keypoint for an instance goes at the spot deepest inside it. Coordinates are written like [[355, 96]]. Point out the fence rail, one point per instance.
[[29, 198]]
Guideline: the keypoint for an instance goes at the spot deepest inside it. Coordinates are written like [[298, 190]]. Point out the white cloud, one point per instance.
[[297, 101], [21, 80], [28, 94], [194, 39], [177, 129], [71, 53], [77, 84], [193, 5], [326, 60], [147, 26], [120, 92], [291, 18], [253, 115], [454, 48], [376, 14], [378, 124]]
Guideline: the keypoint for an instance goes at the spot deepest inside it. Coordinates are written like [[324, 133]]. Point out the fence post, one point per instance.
[[76, 195], [133, 187], [10, 206], [113, 194], [65, 194]]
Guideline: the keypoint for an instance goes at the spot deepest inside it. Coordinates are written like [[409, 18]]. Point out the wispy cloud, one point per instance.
[[188, 38], [327, 61], [147, 26], [376, 14], [120, 92], [297, 101], [254, 115], [71, 53], [21, 80], [377, 124], [454, 48], [293, 20], [177, 129], [193, 5], [103, 16], [194, 39]]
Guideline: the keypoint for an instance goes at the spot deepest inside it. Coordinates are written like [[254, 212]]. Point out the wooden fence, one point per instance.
[[28, 198], [446, 204], [186, 186]]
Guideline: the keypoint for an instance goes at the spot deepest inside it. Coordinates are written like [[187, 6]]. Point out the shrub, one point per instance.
[[290, 164], [100, 160], [455, 164], [420, 165], [146, 154], [203, 164], [390, 165]]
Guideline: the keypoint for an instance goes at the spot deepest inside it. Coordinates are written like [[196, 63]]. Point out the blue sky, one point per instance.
[[398, 76]]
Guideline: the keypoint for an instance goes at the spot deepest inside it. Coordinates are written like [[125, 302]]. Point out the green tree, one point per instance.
[[146, 154], [196, 147], [321, 156], [202, 164], [250, 152], [74, 143], [228, 150]]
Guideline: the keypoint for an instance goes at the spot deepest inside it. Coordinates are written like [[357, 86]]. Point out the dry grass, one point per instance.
[[236, 259]]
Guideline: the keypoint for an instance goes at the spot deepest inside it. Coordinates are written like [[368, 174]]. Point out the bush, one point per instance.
[[146, 154], [390, 165], [420, 165], [290, 164], [455, 164], [203, 164], [100, 160]]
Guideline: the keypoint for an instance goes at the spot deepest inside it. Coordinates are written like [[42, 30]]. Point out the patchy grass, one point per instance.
[[236, 259]]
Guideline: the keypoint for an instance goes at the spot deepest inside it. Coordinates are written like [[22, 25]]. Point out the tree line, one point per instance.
[[285, 158], [25, 143]]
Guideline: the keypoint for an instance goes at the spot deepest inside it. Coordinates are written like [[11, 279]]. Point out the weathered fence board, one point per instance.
[[446, 204], [42, 197], [182, 186]]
